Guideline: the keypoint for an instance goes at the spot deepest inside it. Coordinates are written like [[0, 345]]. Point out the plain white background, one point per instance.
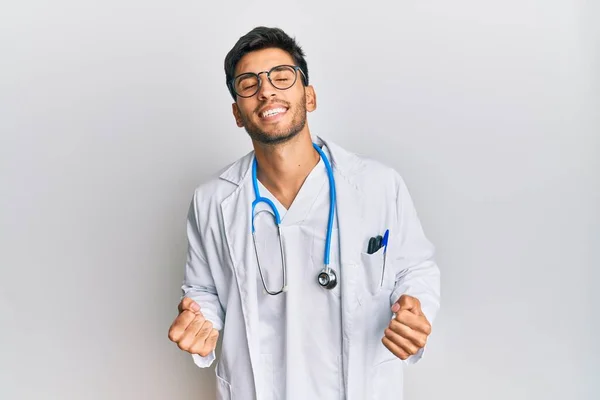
[[112, 112]]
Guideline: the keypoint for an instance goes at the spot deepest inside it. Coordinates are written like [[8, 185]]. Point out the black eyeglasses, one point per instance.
[[282, 77]]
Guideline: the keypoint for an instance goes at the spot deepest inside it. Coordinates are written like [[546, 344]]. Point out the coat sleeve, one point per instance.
[[419, 275], [198, 283]]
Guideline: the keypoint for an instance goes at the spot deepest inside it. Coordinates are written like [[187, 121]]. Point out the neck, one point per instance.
[[283, 168]]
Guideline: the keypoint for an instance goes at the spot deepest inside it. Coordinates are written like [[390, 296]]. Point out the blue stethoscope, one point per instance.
[[327, 277]]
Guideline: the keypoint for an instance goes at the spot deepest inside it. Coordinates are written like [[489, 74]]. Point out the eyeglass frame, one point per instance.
[[296, 68]]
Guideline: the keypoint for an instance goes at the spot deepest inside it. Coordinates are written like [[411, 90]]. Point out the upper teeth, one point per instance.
[[272, 112]]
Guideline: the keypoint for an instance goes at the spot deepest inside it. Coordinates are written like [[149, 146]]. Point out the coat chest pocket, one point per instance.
[[378, 277]]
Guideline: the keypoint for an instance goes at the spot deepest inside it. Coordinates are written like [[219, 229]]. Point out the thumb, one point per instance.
[[188, 304], [406, 302]]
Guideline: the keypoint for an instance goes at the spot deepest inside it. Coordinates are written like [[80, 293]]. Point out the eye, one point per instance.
[[283, 76], [246, 83]]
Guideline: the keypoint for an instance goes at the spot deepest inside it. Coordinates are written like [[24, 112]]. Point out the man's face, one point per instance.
[[272, 116]]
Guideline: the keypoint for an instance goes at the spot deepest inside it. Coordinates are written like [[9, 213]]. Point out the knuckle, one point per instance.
[[175, 333], [186, 342], [203, 348], [196, 348], [204, 352], [386, 342], [184, 345], [403, 315], [428, 329]]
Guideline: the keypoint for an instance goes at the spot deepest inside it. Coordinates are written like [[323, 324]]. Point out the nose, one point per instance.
[[266, 89]]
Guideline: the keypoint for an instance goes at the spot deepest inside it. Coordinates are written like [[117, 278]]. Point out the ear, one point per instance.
[[311, 98], [237, 115]]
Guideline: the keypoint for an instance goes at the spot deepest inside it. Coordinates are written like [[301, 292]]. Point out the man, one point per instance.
[[334, 300]]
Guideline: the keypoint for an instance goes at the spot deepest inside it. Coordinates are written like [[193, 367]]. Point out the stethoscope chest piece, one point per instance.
[[327, 278]]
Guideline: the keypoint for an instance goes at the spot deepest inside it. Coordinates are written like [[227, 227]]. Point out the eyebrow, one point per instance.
[[273, 67], [244, 76]]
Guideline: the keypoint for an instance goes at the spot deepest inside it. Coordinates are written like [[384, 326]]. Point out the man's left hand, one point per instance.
[[409, 330]]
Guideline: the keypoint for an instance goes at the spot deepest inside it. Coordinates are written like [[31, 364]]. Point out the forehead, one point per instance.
[[263, 60]]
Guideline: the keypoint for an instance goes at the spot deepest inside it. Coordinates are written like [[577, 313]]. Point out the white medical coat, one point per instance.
[[221, 275]]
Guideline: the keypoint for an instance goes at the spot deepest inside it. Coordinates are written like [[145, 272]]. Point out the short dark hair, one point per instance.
[[262, 38]]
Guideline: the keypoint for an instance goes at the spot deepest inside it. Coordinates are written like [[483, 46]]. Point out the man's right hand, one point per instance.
[[191, 331]]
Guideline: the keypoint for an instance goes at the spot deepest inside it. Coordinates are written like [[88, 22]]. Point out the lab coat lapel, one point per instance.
[[349, 201], [237, 219], [350, 217], [350, 206]]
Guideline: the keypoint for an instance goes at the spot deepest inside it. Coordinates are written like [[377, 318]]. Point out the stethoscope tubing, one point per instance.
[[258, 199]]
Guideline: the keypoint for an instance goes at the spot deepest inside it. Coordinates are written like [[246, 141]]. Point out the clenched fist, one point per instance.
[[191, 331], [408, 331]]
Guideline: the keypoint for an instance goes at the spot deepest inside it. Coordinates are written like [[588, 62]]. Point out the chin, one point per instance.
[[273, 137], [275, 133]]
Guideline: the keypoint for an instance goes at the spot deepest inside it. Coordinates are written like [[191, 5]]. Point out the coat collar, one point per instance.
[[343, 162]]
